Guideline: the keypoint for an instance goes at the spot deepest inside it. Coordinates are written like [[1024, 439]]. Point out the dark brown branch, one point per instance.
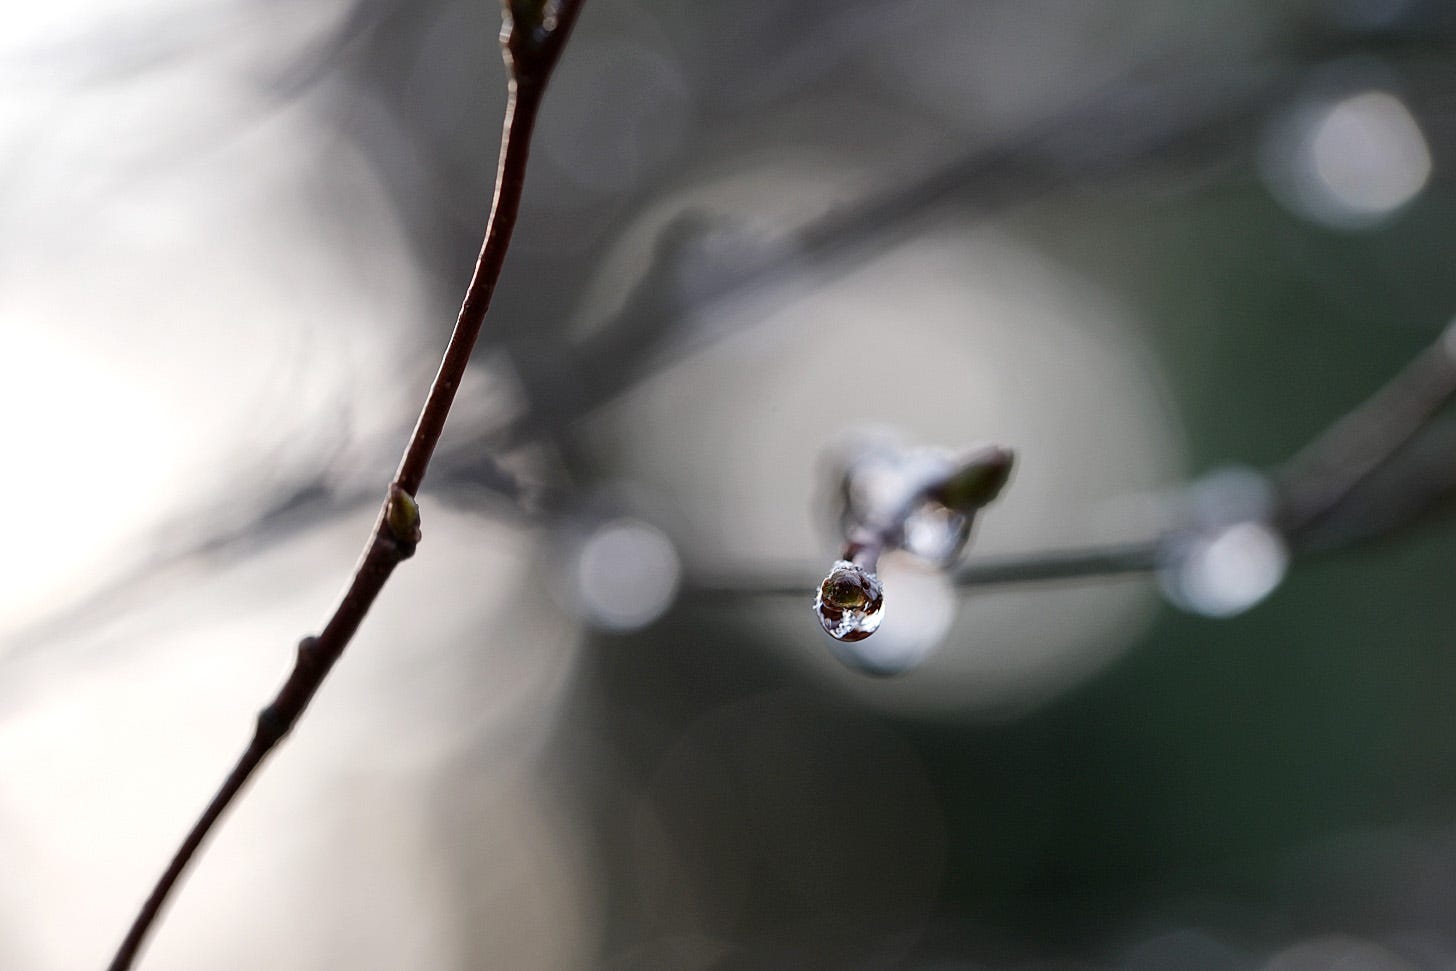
[[532, 37]]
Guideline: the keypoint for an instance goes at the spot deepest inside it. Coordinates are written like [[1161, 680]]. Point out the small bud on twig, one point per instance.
[[402, 520]]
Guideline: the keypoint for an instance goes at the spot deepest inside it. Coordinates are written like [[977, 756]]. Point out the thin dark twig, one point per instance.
[[532, 37]]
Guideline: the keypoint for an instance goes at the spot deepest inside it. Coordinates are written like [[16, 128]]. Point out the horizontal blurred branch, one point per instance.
[[1034, 567], [1108, 133], [1070, 564]]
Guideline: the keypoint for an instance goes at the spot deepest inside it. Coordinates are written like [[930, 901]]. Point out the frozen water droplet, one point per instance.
[[925, 606], [1225, 572], [850, 602], [935, 533]]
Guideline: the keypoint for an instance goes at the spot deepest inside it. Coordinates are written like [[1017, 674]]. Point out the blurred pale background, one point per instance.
[[1134, 240]]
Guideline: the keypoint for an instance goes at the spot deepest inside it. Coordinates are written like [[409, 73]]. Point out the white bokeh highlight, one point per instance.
[[1226, 572], [1351, 162], [625, 575]]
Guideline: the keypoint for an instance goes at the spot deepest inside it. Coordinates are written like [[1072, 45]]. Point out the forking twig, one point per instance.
[[532, 36]]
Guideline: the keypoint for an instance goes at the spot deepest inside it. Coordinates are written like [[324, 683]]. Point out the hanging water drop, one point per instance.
[[920, 501], [925, 608], [850, 602]]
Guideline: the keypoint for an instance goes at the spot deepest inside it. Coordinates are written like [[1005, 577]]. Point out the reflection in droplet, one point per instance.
[[626, 574], [1225, 572], [1348, 163], [925, 608], [850, 602]]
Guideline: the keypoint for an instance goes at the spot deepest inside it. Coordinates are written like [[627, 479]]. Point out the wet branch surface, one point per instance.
[[532, 37]]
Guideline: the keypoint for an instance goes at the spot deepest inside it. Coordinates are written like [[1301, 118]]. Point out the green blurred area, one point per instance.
[[1197, 764]]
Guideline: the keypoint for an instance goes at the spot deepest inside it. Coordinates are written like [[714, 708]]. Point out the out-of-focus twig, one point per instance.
[[1314, 483], [1069, 564], [532, 38], [1158, 113], [644, 335]]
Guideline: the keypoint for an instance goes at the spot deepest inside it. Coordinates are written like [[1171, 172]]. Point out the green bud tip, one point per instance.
[[402, 517]]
